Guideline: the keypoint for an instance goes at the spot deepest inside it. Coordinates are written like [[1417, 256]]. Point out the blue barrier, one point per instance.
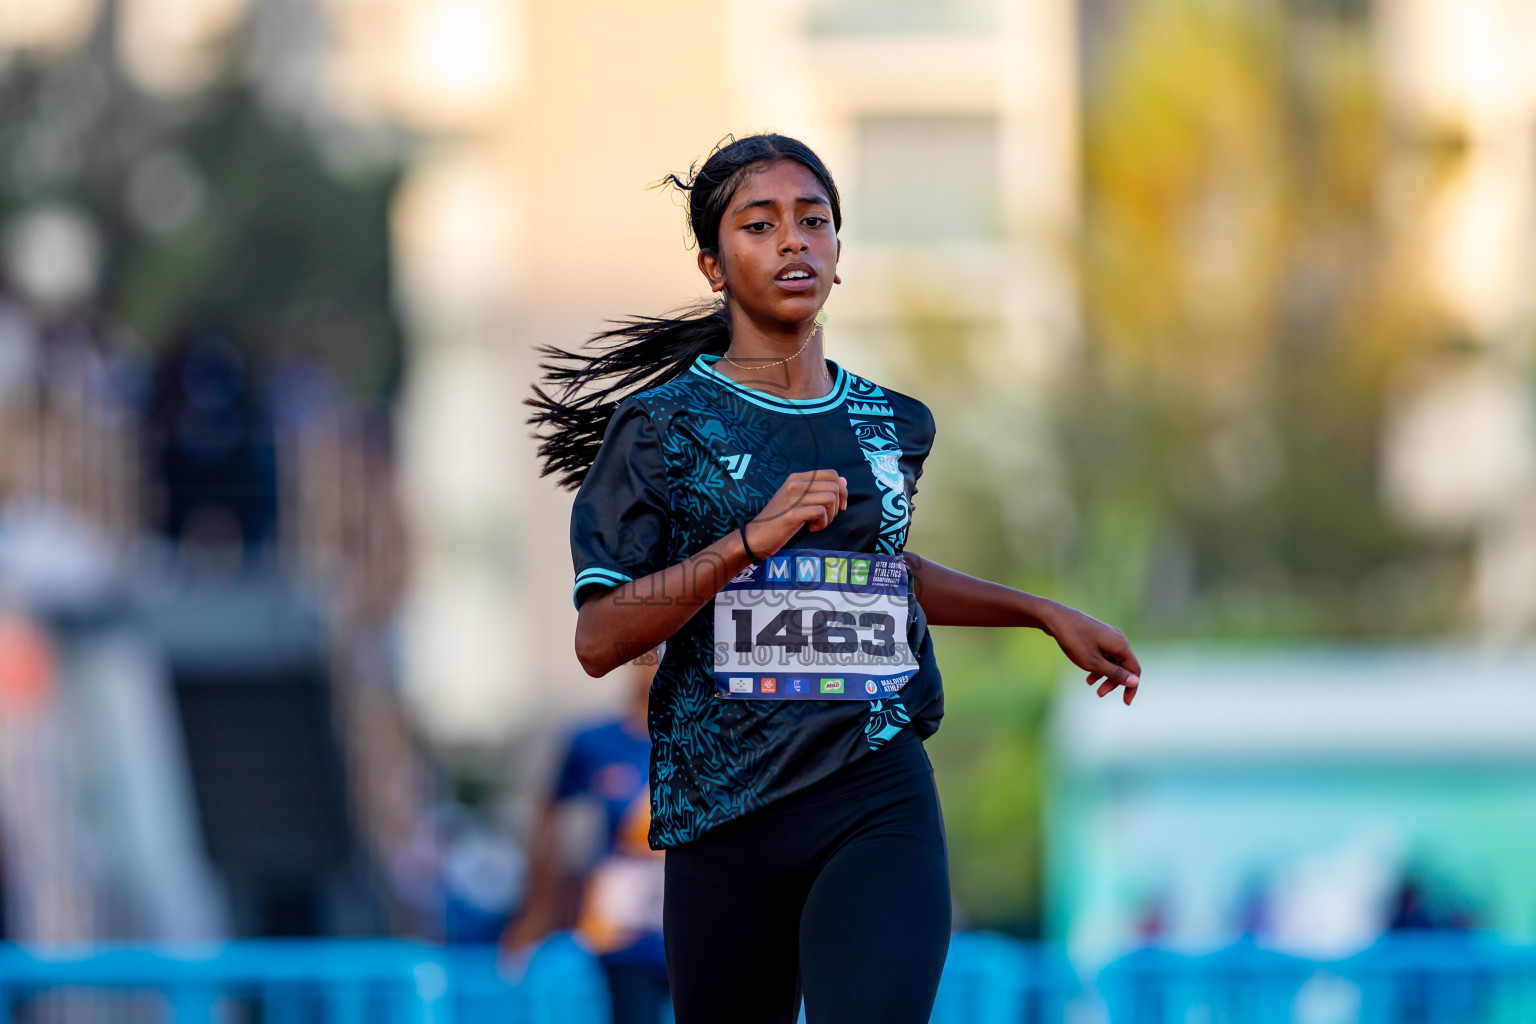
[[988, 979], [1413, 978], [301, 981]]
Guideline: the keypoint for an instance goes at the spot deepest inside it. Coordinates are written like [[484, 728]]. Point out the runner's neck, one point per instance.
[[790, 366]]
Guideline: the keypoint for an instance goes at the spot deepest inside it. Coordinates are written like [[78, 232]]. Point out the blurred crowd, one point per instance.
[[131, 482], [128, 477]]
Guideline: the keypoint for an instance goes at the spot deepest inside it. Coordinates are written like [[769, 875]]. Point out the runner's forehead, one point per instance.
[[782, 181]]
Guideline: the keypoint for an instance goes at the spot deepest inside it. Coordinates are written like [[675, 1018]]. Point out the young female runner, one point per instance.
[[747, 501]]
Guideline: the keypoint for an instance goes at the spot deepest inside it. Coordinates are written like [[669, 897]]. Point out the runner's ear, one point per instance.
[[712, 269]]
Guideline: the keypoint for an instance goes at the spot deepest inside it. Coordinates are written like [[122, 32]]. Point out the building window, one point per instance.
[[926, 179]]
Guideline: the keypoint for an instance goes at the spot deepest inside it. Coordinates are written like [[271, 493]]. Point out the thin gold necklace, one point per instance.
[[763, 366]]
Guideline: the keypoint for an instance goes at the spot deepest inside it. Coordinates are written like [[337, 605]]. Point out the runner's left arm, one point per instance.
[[951, 598]]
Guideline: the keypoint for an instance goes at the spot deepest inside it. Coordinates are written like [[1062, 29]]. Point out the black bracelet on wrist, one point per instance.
[[742, 529]]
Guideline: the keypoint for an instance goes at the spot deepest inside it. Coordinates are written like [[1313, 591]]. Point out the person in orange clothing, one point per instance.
[[616, 907]]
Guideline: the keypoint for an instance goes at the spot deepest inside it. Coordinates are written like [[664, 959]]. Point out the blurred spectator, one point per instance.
[[304, 391], [212, 447], [483, 873], [1421, 905], [18, 351], [47, 878], [1253, 917], [26, 667], [616, 907]]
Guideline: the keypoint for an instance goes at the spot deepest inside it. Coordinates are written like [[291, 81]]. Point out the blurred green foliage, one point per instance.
[[1247, 265], [1251, 290], [273, 226]]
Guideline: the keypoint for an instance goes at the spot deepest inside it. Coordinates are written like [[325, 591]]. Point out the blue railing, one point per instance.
[[278, 982], [1425, 978], [1411, 979]]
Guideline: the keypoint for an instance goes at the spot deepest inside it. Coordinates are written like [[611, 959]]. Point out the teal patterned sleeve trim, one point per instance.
[[874, 425], [599, 576]]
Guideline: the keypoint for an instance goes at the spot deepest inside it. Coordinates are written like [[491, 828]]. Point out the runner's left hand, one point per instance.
[[1098, 647]]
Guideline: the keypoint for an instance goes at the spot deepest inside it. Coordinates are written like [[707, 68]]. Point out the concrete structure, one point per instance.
[[1460, 452]]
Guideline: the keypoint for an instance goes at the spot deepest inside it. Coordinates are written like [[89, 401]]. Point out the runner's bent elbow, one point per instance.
[[590, 649]]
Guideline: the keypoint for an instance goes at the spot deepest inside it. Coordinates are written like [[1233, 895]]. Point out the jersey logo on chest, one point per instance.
[[736, 465], [886, 466]]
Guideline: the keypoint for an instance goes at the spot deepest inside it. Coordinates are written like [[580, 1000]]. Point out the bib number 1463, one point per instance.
[[823, 630], [815, 625]]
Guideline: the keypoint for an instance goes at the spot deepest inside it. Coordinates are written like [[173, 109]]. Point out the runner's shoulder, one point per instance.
[[662, 402], [646, 413], [912, 412]]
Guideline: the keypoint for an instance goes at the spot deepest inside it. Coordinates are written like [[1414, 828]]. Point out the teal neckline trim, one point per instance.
[[704, 366]]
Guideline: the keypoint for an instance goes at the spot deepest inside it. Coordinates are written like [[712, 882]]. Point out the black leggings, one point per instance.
[[840, 890]]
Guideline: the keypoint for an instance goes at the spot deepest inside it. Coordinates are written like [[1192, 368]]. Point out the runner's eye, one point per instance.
[[755, 225]]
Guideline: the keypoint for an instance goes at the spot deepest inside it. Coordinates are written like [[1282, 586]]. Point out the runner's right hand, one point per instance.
[[810, 499]]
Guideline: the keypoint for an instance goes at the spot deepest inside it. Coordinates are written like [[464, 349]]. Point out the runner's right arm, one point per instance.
[[951, 598], [616, 625]]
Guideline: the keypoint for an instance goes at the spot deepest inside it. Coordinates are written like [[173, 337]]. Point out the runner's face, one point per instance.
[[778, 249]]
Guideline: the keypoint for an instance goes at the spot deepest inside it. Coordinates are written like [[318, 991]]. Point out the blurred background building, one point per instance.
[[1224, 310]]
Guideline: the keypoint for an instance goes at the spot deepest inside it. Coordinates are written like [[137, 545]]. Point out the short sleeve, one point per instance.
[[915, 429], [924, 441], [619, 521]]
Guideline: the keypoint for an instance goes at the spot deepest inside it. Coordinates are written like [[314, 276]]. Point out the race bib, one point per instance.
[[815, 625]]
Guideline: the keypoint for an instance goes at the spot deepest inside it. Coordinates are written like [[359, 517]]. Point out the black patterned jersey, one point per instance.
[[684, 464]]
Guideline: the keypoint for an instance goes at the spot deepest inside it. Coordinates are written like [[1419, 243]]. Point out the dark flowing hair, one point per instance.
[[581, 389]]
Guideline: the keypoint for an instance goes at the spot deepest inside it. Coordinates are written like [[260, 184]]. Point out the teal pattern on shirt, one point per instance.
[[688, 462], [874, 426]]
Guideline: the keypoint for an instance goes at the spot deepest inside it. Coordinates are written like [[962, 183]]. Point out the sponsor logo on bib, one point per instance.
[[859, 571], [870, 687], [741, 684], [807, 569], [837, 569], [832, 686], [778, 567], [798, 684], [770, 684]]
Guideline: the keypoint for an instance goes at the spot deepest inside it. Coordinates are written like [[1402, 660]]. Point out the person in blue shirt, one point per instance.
[[747, 501], [615, 906]]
